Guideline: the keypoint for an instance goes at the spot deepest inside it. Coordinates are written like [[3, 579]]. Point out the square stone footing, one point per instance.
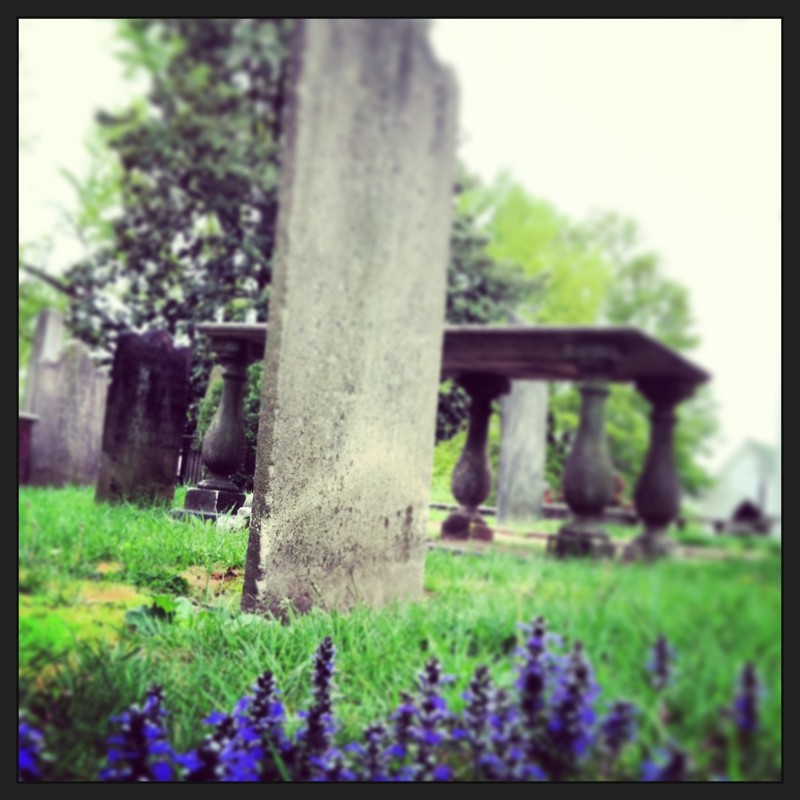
[[209, 504], [649, 548], [568, 543], [461, 526]]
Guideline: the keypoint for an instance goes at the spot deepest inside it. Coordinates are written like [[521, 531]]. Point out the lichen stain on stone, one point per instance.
[[407, 533]]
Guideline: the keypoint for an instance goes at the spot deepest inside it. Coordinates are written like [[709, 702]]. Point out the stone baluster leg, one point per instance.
[[472, 477], [658, 492], [224, 443], [588, 481]]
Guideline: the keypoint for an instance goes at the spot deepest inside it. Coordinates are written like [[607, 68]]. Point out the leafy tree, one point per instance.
[[595, 272], [639, 295], [481, 289], [570, 278], [199, 163]]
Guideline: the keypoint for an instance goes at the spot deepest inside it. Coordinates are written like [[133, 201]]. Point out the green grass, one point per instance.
[[89, 572]]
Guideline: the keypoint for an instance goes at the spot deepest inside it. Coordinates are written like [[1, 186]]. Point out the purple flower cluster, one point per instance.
[[670, 765], [139, 750], [30, 750], [617, 728], [543, 727]]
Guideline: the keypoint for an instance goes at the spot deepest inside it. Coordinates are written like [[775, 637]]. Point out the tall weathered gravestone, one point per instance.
[[356, 315], [66, 392], [520, 482], [145, 419]]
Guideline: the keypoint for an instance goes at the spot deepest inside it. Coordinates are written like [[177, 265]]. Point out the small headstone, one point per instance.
[[47, 343], [69, 399], [353, 355], [523, 447], [145, 418]]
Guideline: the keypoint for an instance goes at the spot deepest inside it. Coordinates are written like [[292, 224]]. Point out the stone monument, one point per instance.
[[523, 447], [66, 393], [145, 418], [352, 359]]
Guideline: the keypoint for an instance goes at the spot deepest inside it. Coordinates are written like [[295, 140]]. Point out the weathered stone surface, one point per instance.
[[223, 448], [471, 482], [658, 490], [210, 504], [523, 446], [588, 480], [25, 423], [69, 399], [47, 343], [352, 359], [145, 419]]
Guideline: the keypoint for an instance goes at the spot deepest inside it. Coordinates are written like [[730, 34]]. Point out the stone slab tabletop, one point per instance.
[[528, 352]]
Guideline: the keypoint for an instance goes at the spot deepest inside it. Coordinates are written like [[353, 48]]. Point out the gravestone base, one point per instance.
[[25, 423], [209, 504], [580, 539], [648, 547], [462, 525], [240, 520]]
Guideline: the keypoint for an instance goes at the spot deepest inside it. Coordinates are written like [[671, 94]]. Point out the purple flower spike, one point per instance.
[[30, 746], [745, 704], [140, 751], [661, 657]]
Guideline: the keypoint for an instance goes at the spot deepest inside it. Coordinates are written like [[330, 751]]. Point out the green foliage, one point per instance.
[[445, 458], [571, 279], [157, 580], [67, 532], [639, 294], [43, 639], [162, 608], [481, 289], [197, 167], [594, 272]]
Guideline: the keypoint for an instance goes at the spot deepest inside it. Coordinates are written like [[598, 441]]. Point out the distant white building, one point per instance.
[[752, 474]]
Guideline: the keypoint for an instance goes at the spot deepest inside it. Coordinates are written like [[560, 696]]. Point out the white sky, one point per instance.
[[675, 123]]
